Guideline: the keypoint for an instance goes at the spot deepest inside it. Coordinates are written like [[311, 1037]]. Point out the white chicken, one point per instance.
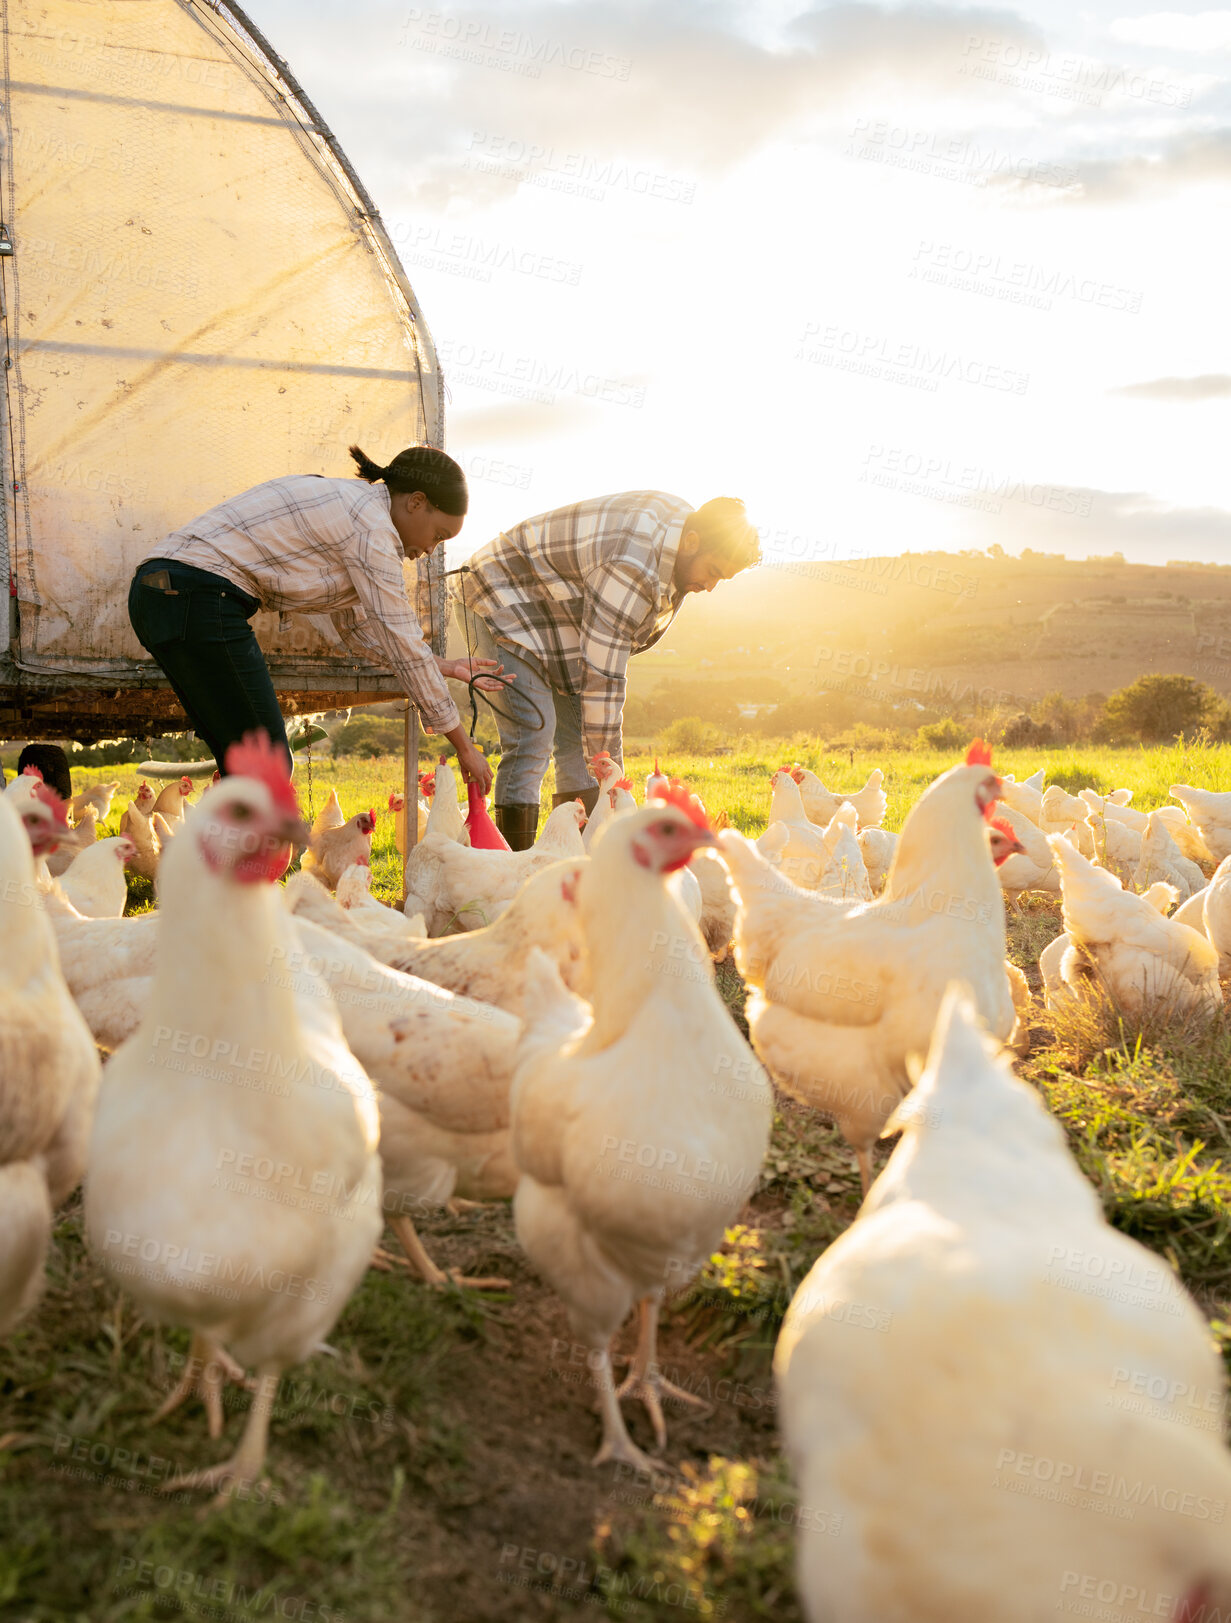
[[870, 803], [1161, 859], [333, 850], [220, 1079], [1031, 868], [607, 775], [142, 802], [1116, 846], [639, 1132], [445, 815], [843, 999], [49, 1067], [94, 882], [1024, 799], [444, 1066], [172, 800], [330, 815], [1121, 942], [846, 878], [73, 843], [981, 1272], [135, 823], [656, 781], [457, 888], [1209, 911], [877, 846], [1211, 812], [1063, 813], [97, 795], [354, 894]]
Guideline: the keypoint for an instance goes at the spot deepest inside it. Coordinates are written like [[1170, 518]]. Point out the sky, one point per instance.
[[902, 277]]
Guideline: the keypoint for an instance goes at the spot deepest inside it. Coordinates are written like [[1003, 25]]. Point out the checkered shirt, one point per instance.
[[582, 588], [307, 545]]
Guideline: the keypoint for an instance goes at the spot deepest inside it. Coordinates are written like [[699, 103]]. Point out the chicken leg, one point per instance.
[[645, 1380], [427, 1269], [864, 1157], [616, 1445], [244, 1467], [207, 1367]]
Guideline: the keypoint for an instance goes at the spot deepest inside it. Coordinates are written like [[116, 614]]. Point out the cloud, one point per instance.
[[680, 83], [1189, 160], [1144, 528], [1177, 30], [1212, 386]]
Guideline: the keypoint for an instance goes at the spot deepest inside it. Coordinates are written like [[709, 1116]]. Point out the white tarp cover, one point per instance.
[[199, 299]]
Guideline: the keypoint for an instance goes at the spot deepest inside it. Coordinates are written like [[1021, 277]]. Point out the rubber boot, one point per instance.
[[518, 824], [588, 798]]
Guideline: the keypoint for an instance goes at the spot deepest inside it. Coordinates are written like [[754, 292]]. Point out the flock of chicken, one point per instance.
[[1000, 1405]]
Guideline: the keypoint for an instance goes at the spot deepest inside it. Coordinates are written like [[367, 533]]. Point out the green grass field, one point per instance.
[[436, 1469]]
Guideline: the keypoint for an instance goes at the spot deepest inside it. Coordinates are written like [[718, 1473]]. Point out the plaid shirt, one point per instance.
[[307, 545], [582, 588]]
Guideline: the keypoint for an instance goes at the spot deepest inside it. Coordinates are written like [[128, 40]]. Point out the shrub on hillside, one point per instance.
[[1156, 709], [947, 735], [688, 736], [367, 736]]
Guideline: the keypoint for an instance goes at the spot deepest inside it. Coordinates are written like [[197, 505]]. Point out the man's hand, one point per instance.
[[493, 679], [471, 760]]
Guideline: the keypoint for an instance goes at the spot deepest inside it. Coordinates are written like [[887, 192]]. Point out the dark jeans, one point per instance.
[[195, 624]]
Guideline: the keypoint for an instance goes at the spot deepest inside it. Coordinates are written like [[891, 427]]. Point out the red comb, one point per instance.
[[1005, 828], [52, 800], [32, 772], [624, 783], [979, 754], [396, 800], [255, 757], [372, 814], [677, 795], [185, 785]]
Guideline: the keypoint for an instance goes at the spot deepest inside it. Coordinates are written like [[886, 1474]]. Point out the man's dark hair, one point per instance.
[[419, 467], [726, 533], [52, 763]]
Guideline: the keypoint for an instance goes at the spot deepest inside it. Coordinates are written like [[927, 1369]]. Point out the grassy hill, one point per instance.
[[927, 625]]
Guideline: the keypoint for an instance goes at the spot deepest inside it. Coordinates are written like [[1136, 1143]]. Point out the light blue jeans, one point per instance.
[[527, 743]]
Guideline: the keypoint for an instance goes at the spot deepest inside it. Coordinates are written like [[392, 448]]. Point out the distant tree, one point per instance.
[[689, 735], [1023, 730], [1156, 708], [946, 734]]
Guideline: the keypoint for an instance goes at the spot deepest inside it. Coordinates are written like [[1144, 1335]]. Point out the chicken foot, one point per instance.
[[645, 1380], [427, 1270], [208, 1366], [244, 1467], [616, 1445]]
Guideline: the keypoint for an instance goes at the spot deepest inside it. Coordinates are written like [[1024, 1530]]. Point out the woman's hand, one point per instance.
[[471, 760], [489, 675]]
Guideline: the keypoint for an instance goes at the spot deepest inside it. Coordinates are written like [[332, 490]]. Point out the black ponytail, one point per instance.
[[419, 467]]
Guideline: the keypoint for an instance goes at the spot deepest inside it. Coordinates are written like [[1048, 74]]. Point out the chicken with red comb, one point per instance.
[[260, 1069], [639, 1071], [50, 1069], [332, 851], [844, 997]]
